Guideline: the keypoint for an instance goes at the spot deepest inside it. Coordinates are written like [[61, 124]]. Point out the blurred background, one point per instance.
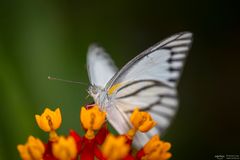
[[40, 38]]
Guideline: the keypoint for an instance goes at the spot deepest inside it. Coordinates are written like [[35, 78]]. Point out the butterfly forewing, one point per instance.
[[162, 62], [149, 83]]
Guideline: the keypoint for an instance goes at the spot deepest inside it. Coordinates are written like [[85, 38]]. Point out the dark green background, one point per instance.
[[42, 37]]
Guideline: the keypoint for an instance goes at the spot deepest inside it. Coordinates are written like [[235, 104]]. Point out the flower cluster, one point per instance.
[[97, 143]]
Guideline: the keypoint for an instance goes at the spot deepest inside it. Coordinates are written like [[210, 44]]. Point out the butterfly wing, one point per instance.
[[99, 63], [158, 99], [149, 82]]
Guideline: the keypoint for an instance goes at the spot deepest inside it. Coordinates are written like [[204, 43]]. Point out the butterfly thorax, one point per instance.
[[99, 95]]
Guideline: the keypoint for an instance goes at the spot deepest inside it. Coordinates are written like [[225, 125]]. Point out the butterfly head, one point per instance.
[[94, 91]]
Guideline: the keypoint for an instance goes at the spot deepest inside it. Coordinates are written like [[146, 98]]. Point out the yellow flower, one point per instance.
[[65, 148], [156, 149], [115, 148], [142, 120], [92, 119], [32, 150], [49, 120]]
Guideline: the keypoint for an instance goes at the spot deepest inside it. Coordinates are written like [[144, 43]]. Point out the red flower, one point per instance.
[[89, 147], [77, 139], [48, 152]]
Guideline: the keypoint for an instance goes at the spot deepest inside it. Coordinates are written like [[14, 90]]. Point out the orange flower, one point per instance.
[[92, 119], [65, 148], [142, 120], [115, 148], [32, 150], [49, 120], [156, 149]]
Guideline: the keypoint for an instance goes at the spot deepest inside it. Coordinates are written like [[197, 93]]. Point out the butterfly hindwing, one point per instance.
[[99, 63], [154, 97]]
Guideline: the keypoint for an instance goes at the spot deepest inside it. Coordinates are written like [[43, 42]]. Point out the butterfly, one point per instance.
[[148, 81]]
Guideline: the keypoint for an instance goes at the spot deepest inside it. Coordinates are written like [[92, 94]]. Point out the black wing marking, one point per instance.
[[148, 95]]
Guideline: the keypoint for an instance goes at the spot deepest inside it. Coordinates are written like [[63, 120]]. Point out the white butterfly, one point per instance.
[[148, 81]]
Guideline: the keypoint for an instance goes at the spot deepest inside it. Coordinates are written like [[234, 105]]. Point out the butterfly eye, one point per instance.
[[94, 90]]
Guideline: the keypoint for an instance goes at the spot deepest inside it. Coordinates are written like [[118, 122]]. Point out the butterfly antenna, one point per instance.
[[67, 81], [87, 96]]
